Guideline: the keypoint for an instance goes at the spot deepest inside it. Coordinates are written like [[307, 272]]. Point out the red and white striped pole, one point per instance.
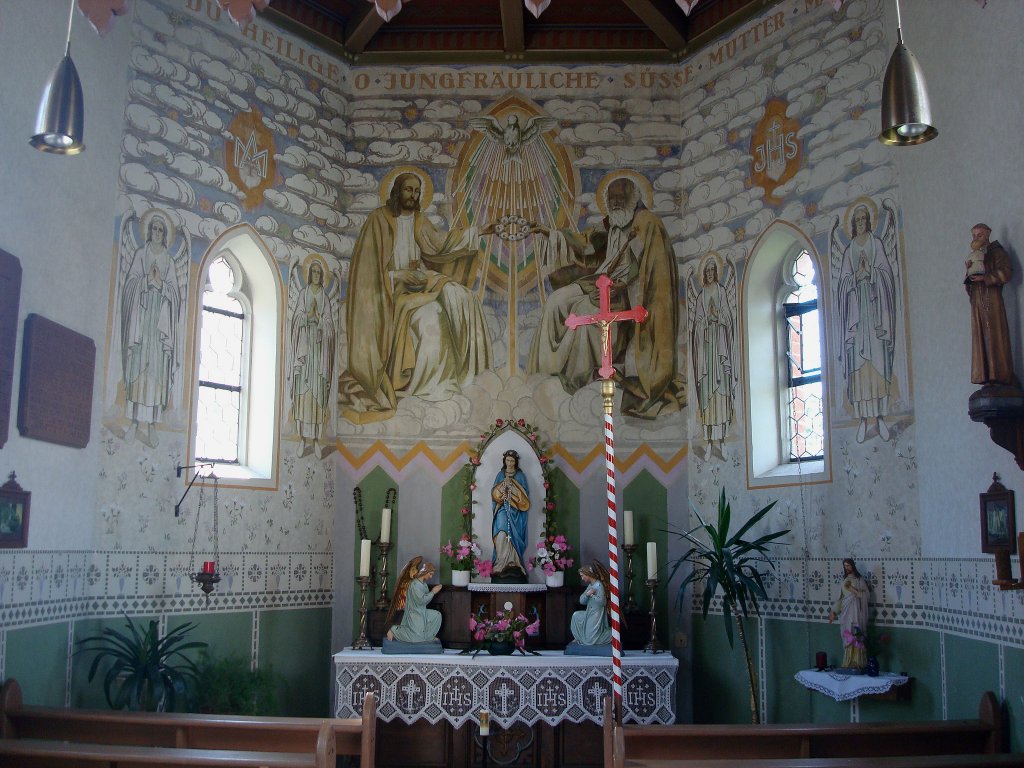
[[608, 391], [604, 320]]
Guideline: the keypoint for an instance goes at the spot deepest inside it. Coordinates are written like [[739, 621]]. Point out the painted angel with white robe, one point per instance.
[[152, 288], [711, 300], [312, 302], [867, 270]]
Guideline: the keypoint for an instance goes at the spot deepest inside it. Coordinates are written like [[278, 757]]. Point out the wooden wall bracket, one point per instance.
[[1001, 409]]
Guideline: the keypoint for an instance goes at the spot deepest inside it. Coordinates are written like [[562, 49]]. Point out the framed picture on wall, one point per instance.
[[14, 505], [998, 519]]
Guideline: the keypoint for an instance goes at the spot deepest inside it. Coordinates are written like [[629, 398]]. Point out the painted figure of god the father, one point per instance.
[[631, 246], [414, 326]]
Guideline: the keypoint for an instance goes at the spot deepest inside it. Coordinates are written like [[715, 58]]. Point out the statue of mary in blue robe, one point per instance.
[[510, 497]]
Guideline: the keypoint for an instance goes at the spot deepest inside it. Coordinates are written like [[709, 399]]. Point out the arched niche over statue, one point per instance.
[[488, 468]]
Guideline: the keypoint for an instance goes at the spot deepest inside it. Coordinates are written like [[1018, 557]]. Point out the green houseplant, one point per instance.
[[229, 685], [733, 565], [144, 671]]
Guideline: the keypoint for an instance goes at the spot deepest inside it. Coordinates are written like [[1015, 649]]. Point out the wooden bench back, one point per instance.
[[984, 735], [326, 737]]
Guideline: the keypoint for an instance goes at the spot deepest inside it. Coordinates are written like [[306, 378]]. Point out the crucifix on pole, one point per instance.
[[604, 319]]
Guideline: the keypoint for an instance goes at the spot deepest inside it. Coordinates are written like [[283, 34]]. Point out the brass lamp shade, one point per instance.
[[906, 112], [60, 123]]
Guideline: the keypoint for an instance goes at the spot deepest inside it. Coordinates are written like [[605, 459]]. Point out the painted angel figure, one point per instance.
[[712, 309], [312, 302], [511, 135], [866, 300], [152, 287]]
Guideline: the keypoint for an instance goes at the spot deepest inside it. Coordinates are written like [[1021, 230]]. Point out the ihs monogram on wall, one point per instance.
[[249, 157], [775, 152]]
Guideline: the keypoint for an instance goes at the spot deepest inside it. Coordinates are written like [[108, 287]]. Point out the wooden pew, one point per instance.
[[641, 744], [1002, 760], [58, 736]]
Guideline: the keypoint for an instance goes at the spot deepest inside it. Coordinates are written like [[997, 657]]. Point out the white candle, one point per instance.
[[385, 526], [364, 557], [652, 560], [485, 723], [627, 528]]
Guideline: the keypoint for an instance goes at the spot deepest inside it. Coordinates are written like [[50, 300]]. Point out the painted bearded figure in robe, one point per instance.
[[631, 246], [414, 327], [866, 297]]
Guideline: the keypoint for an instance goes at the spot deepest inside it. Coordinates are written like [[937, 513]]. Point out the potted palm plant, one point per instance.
[[144, 671], [733, 565]]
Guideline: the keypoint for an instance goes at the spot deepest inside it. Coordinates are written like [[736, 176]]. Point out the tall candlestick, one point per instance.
[[652, 560], [364, 557], [627, 535], [385, 526]]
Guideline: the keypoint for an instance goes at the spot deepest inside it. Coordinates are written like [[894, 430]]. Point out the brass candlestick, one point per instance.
[[362, 643], [652, 644], [631, 604], [382, 598]]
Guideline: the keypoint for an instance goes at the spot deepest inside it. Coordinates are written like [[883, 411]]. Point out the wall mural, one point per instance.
[[631, 245], [520, 175], [152, 291], [415, 327], [713, 320], [867, 305], [312, 308]]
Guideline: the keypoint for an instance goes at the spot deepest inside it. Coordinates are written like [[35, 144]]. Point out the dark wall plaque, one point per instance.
[[10, 295], [57, 366]]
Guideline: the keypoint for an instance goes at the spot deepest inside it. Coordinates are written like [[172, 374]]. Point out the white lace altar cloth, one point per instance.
[[484, 586], [845, 687], [549, 688]]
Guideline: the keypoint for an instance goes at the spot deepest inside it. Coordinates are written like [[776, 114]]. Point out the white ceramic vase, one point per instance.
[[461, 578], [556, 579]]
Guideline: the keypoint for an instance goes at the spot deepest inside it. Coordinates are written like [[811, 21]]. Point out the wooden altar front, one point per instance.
[[554, 607], [545, 709]]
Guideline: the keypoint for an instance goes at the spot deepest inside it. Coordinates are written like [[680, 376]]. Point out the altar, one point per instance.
[[545, 708]]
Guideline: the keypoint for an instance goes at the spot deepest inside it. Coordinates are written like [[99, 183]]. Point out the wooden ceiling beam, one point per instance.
[[362, 29], [512, 26], [660, 24]]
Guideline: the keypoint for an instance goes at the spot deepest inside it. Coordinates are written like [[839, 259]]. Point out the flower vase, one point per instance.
[[556, 579], [461, 578], [501, 647], [872, 667]]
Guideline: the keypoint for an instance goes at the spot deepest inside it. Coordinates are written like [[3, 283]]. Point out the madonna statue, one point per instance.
[[510, 497]]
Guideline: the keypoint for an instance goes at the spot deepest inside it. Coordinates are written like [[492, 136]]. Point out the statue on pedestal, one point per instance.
[[591, 628], [851, 608], [510, 497], [988, 269], [418, 628]]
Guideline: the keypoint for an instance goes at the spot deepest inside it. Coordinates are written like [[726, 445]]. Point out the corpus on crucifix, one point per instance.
[[604, 319]]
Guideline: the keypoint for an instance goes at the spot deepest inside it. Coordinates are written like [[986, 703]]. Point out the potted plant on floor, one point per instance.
[[230, 685], [143, 670], [733, 565]]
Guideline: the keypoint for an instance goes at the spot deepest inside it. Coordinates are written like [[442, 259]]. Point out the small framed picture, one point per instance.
[[14, 501], [998, 519]]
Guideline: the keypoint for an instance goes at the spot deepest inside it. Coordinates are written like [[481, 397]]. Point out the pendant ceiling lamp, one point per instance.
[[906, 112], [59, 125]]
